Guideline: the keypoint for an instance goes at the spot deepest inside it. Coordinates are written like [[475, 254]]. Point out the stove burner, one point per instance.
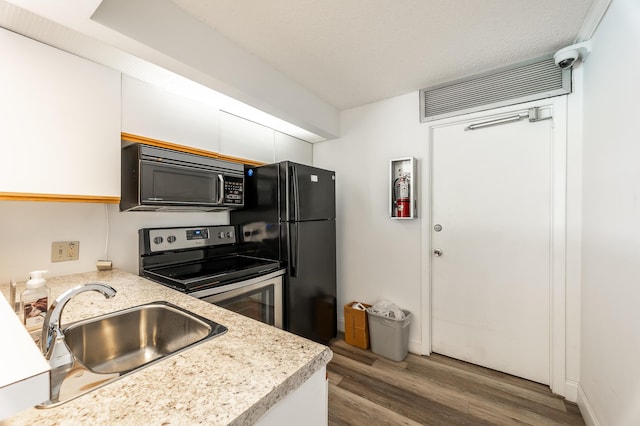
[[210, 272]]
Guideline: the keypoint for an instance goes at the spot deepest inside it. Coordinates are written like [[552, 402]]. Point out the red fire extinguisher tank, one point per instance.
[[401, 190]]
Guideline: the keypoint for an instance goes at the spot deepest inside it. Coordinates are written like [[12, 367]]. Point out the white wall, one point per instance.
[[610, 341], [383, 258], [27, 230], [573, 233], [378, 258]]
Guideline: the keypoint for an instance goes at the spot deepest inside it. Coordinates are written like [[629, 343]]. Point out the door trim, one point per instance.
[[558, 105]]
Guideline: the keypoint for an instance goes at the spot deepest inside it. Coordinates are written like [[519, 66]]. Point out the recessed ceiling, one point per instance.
[[354, 52]]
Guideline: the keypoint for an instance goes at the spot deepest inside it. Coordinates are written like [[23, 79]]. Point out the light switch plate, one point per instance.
[[62, 251]]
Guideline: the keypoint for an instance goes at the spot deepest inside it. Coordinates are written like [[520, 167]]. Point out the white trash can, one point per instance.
[[389, 337]]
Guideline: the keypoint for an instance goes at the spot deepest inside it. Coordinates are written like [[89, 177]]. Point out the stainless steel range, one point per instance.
[[204, 262]]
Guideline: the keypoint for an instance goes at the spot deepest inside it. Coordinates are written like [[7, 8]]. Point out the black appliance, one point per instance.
[[159, 179], [289, 215], [204, 262]]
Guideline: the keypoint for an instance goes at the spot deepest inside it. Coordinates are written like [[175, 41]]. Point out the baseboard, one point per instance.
[[415, 346], [586, 409], [571, 391]]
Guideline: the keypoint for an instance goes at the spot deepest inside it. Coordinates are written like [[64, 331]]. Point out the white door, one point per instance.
[[491, 242]]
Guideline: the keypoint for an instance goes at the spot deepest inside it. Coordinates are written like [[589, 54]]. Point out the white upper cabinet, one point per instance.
[[292, 149], [59, 122], [245, 139], [155, 113]]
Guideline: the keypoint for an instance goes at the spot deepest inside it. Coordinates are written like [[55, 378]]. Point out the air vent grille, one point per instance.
[[526, 82]]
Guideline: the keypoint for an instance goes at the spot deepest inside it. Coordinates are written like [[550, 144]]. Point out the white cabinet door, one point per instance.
[[24, 376], [155, 113], [288, 148], [308, 405], [59, 122], [245, 139]]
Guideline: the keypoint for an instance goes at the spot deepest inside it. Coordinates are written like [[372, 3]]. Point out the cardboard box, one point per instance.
[[356, 326]]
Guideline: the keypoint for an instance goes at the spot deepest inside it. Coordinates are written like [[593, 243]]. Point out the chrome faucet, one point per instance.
[[52, 340]]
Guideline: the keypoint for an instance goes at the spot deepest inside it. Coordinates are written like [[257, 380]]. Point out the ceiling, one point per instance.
[[303, 61], [354, 52]]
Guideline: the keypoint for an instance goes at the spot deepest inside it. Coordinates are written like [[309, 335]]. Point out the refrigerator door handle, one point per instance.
[[296, 193], [294, 248]]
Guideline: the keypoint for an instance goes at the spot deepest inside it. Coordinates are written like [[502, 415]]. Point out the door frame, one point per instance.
[[557, 320]]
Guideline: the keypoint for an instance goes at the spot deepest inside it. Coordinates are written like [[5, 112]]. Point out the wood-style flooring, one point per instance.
[[367, 389]]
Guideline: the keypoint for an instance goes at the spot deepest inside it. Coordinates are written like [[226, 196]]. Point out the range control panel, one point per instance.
[[165, 239]]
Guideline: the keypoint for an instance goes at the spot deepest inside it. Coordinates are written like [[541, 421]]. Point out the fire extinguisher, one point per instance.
[[401, 191]]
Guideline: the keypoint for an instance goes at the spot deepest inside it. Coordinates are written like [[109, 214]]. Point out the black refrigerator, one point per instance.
[[289, 214]]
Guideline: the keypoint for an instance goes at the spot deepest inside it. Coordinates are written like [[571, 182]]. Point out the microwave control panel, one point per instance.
[[233, 190]]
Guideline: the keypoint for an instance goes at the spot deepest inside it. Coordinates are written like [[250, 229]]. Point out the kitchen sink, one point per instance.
[[108, 347]]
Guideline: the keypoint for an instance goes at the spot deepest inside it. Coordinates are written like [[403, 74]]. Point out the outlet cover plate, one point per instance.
[[62, 251]]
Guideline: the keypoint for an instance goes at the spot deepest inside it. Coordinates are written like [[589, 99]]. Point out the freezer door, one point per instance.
[[310, 192], [310, 291], [261, 196], [259, 221]]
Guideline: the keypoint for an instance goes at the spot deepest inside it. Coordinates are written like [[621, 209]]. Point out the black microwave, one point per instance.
[[160, 179]]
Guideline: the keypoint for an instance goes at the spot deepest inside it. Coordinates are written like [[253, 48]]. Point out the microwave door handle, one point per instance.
[[221, 189]]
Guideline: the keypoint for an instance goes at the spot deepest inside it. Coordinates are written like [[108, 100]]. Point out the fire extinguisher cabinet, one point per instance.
[[402, 189]]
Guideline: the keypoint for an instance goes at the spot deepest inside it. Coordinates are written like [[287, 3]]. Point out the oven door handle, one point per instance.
[[294, 248]]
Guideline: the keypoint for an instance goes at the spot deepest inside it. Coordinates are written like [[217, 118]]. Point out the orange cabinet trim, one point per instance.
[[25, 196], [128, 137]]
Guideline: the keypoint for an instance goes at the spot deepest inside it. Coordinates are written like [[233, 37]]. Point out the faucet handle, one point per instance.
[[57, 354]]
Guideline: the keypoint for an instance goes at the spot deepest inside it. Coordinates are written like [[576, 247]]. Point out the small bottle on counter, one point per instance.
[[34, 301]]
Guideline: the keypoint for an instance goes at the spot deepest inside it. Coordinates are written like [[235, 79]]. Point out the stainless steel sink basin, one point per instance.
[[134, 337], [108, 347]]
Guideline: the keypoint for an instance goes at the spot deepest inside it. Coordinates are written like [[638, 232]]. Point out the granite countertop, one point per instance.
[[232, 379]]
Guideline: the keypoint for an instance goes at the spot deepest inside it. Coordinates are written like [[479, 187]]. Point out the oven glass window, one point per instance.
[[257, 304]]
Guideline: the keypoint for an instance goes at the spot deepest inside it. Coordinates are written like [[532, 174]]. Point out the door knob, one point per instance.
[[437, 252]]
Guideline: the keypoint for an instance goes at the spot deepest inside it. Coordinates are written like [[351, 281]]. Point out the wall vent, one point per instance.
[[524, 82]]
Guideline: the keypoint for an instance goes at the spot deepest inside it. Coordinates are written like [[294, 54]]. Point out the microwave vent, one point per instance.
[[524, 82]]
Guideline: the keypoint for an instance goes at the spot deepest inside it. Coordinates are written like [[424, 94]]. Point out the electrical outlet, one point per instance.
[[62, 251]]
